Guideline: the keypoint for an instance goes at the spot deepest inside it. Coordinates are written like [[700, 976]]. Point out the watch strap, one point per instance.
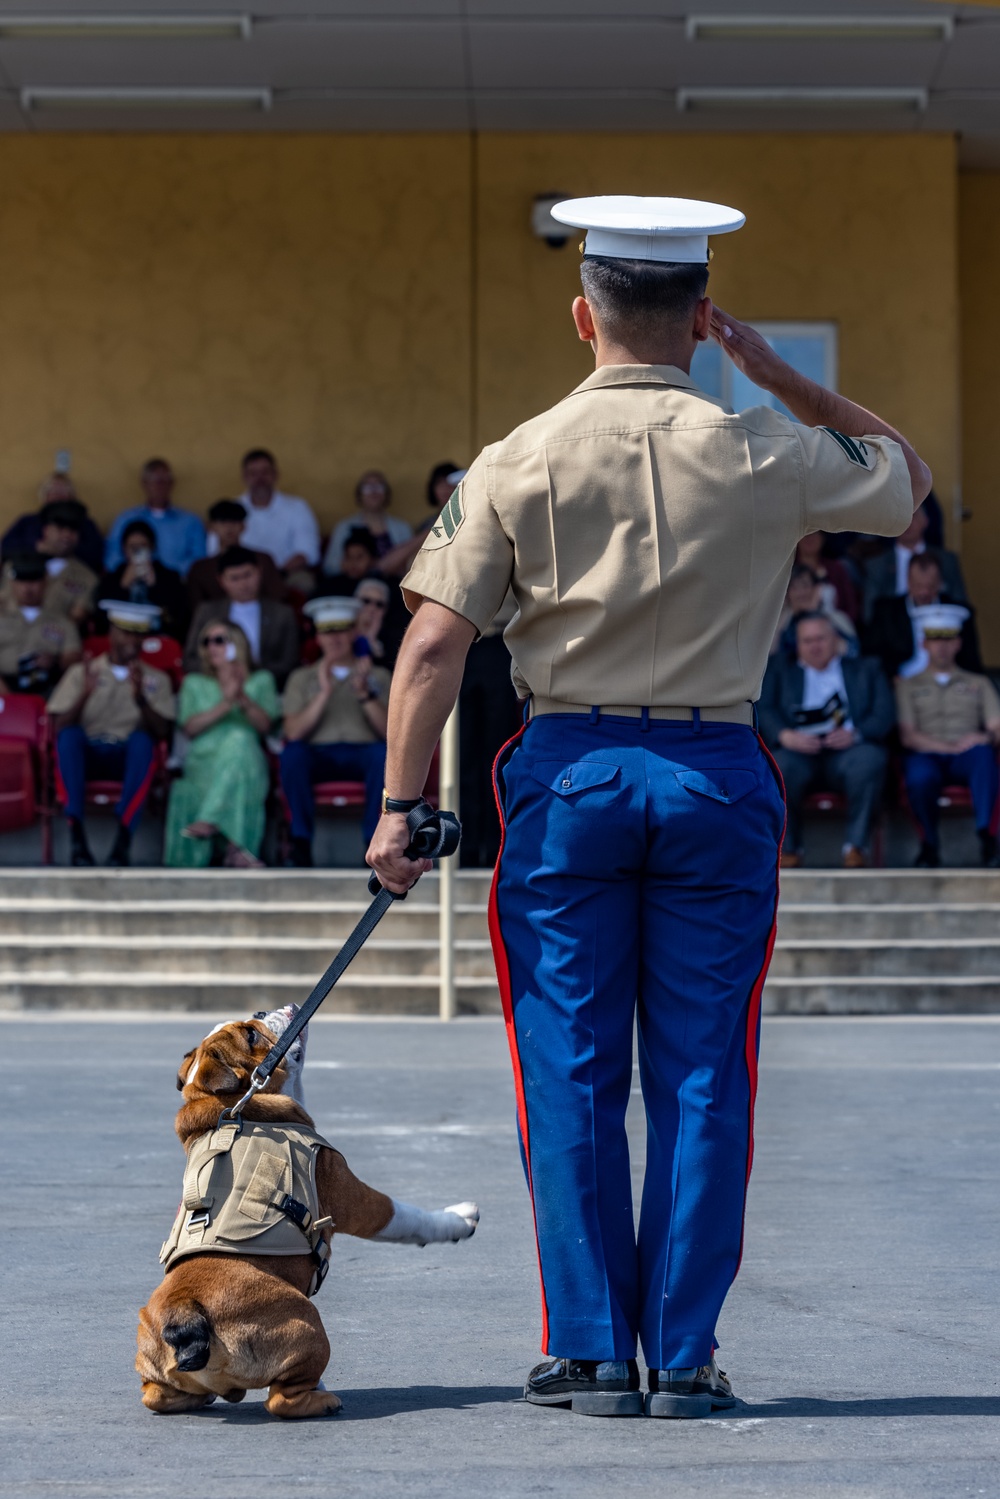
[[399, 804]]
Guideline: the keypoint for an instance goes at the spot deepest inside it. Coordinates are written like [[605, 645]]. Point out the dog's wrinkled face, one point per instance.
[[222, 1064]]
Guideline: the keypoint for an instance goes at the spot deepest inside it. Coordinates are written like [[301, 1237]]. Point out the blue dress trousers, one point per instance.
[[636, 884]]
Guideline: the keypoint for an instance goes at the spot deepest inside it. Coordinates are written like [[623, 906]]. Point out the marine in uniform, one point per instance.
[[648, 534], [949, 723], [36, 643], [108, 716], [335, 718]]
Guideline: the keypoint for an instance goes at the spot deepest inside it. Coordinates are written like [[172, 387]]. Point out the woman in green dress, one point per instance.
[[226, 708]]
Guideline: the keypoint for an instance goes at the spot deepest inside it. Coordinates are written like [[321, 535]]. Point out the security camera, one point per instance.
[[544, 226]]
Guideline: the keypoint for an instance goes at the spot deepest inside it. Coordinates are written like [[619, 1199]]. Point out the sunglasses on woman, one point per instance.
[[215, 640], [378, 603]]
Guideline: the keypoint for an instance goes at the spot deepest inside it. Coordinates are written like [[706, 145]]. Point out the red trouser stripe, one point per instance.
[[506, 999], [141, 794], [753, 1010]]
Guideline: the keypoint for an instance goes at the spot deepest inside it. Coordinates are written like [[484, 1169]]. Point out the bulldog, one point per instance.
[[252, 1236]]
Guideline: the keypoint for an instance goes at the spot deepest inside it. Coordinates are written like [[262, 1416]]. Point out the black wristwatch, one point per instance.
[[399, 804]]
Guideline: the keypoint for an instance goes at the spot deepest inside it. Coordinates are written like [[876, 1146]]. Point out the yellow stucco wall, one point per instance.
[[195, 295], [979, 242]]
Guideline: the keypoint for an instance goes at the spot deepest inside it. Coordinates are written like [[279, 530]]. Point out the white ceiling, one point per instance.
[[561, 65]]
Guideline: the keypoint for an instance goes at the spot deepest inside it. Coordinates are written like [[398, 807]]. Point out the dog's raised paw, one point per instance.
[[467, 1214]]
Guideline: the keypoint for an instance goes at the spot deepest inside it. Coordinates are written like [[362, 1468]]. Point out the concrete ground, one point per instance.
[[863, 1334]]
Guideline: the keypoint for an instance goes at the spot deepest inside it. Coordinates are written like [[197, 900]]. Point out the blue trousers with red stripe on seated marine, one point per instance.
[[637, 883], [303, 764], [131, 761]]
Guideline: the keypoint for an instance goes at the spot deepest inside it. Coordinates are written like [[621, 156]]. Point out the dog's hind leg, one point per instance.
[[297, 1391]]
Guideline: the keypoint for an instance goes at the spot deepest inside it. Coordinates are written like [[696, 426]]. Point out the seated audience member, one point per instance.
[[373, 496], [24, 534], [143, 579], [806, 595], [270, 627], [443, 480], [886, 574], [69, 584], [282, 525], [839, 589], [949, 724], [335, 717], [36, 644], [373, 594], [179, 535], [225, 708], [358, 558], [894, 632], [826, 719], [227, 520], [107, 716]]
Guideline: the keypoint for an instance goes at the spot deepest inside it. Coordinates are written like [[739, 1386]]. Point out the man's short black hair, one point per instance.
[[256, 453], [235, 557], [360, 536], [641, 298], [141, 528], [227, 510], [151, 466], [808, 614], [68, 513]]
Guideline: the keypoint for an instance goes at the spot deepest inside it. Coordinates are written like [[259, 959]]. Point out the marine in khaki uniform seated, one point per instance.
[[949, 723], [335, 717], [647, 533], [107, 716], [70, 583], [36, 643]]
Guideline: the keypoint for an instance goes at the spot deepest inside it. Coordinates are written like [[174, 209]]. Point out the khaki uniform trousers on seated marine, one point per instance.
[[252, 1190]]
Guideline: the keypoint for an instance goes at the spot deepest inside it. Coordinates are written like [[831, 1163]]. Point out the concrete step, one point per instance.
[[957, 995], [305, 959], [236, 992], [255, 886], [821, 923], [868, 960], [889, 886], [313, 921]]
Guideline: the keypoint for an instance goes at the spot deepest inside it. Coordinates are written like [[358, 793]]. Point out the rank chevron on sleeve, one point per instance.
[[856, 451]]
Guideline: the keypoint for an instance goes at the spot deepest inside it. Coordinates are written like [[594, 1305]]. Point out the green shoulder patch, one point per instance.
[[447, 523], [852, 447]]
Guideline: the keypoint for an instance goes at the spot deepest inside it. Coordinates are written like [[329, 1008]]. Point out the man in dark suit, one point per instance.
[[890, 634], [886, 574], [270, 626], [826, 719]]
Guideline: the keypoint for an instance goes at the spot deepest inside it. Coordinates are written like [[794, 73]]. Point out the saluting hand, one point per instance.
[[748, 350]]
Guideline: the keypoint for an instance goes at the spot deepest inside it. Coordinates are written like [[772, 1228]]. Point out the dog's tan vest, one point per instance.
[[252, 1190]]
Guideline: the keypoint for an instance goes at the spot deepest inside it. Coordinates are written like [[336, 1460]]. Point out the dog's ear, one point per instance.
[[213, 1076], [185, 1069]]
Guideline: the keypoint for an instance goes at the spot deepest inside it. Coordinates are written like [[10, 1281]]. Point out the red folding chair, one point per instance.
[[341, 796], [26, 777]]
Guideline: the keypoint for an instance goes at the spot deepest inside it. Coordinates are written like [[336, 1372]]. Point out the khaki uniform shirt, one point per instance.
[[72, 588], [47, 635], [648, 534], [110, 711], [964, 704], [343, 720]]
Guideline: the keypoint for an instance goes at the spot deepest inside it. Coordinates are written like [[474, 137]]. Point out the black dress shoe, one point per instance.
[[301, 854], [928, 857], [988, 854], [588, 1387], [119, 855], [689, 1393], [80, 856]]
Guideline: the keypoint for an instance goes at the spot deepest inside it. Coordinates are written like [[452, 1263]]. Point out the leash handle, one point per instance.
[[433, 835]]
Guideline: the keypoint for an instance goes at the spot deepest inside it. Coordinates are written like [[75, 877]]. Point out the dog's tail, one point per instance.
[[189, 1333]]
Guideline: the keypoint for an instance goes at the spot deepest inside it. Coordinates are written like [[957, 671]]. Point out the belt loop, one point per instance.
[[644, 721], [753, 718], [696, 720], [595, 714]]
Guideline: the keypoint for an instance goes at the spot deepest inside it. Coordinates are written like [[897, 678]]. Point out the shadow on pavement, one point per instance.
[[907, 1405], [374, 1405]]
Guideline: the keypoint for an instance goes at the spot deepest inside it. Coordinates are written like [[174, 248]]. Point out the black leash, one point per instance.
[[433, 835]]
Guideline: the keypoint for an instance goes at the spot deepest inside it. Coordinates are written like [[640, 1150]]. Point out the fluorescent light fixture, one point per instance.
[[717, 100], [64, 99], [820, 28], [123, 27]]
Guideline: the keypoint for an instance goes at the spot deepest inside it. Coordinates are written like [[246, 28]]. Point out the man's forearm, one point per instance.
[[815, 406], [425, 685]]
